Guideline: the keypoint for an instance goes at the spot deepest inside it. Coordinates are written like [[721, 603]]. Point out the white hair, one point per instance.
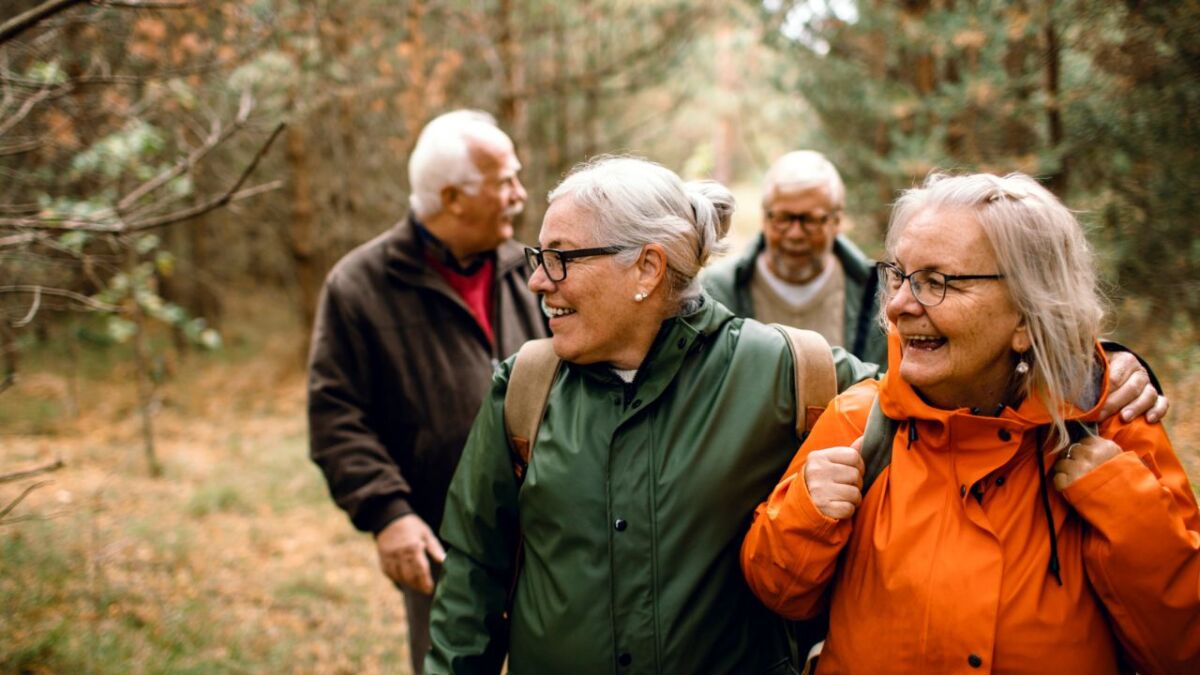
[[1048, 269], [804, 170], [634, 202], [442, 157]]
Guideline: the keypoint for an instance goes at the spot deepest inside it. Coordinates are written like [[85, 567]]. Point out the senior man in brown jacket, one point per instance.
[[409, 328]]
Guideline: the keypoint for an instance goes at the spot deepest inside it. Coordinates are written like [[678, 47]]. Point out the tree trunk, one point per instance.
[[303, 227]]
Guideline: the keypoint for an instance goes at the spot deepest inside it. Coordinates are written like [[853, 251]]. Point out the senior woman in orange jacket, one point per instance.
[[991, 542]]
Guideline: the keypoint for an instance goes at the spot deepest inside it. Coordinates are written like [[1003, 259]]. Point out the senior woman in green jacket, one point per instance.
[[669, 421], [666, 425]]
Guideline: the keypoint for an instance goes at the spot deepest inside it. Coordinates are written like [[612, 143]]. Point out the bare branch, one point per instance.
[[30, 473], [21, 497], [20, 148], [145, 4], [22, 22], [201, 209], [33, 308], [24, 110], [61, 293], [215, 138], [232, 194], [19, 239]]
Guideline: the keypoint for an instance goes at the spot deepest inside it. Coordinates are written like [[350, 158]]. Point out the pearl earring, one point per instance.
[[639, 296], [1022, 366]]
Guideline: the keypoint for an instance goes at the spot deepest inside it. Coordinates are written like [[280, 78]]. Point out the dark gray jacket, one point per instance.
[[397, 372], [728, 281]]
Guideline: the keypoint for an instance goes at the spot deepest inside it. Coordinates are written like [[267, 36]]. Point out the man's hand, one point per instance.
[[1130, 391], [834, 479], [405, 547], [1080, 458]]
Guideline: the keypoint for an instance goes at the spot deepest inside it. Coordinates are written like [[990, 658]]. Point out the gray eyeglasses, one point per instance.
[[927, 286]]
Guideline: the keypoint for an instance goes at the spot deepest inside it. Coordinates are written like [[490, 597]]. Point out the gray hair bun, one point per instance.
[[712, 205]]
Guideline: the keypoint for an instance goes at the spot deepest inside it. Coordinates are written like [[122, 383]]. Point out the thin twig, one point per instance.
[[21, 148], [25, 493], [232, 194], [215, 138], [29, 473], [135, 4], [201, 209], [62, 293], [22, 22], [33, 308], [19, 239]]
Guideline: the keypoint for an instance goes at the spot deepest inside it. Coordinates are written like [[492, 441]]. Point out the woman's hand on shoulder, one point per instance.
[[1080, 458], [834, 477], [1131, 392]]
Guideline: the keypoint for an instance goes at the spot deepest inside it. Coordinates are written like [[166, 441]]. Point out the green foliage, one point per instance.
[[124, 149], [1100, 100]]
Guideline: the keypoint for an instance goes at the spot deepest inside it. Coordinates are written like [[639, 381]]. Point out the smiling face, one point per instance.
[[797, 254], [592, 312], [959, 353]]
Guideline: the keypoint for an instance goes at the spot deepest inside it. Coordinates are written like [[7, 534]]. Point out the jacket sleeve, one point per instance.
[[1142, 551], [468, 631], [363, 478], [791, 552]]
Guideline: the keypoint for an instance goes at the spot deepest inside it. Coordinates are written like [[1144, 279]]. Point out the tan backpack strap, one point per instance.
[[529, 385], [816, 377]]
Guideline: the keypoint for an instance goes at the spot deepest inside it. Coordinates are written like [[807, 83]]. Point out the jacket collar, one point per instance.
[[677, 337], [406, 256], [854, 262]]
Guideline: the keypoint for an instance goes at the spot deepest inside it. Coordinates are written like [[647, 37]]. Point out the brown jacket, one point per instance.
[[397, 371]]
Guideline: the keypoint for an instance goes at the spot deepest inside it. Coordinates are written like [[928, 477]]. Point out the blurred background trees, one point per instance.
[[127, 129], [1098, 98]]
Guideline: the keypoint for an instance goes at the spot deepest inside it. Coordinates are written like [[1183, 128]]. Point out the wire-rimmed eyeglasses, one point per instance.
[[927, 286], [554, 260]]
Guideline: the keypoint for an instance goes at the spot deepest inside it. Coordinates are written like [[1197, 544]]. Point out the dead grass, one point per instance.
[[234, 561]]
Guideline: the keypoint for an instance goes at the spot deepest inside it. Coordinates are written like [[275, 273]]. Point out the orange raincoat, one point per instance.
[[944, 567]]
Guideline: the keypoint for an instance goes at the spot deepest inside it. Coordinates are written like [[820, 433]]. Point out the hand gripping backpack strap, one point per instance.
[[816, 377], [529, 384], [877, 454]]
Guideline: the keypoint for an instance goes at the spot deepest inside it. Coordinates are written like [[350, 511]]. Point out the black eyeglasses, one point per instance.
[[927, 286], [554, 261], [781, 221]]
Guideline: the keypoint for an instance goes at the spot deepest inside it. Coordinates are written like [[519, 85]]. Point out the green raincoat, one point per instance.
[[632, 511]]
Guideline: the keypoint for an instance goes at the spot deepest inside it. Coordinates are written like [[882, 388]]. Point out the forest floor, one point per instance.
[[235, 560]]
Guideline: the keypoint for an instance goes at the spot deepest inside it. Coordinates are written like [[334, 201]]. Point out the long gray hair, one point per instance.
[[1047, 265], [634, 202]]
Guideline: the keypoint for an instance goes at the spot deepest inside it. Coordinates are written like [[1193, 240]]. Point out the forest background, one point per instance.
[[176, 178]]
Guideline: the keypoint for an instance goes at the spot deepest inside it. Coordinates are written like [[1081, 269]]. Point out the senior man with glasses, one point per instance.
[[800, 271]]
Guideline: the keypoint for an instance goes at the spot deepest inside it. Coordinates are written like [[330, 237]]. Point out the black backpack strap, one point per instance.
[[877, 444]]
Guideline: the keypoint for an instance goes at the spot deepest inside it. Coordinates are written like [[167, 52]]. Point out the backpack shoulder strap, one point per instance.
[[877, 443], [529, 384], [816, 377]]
